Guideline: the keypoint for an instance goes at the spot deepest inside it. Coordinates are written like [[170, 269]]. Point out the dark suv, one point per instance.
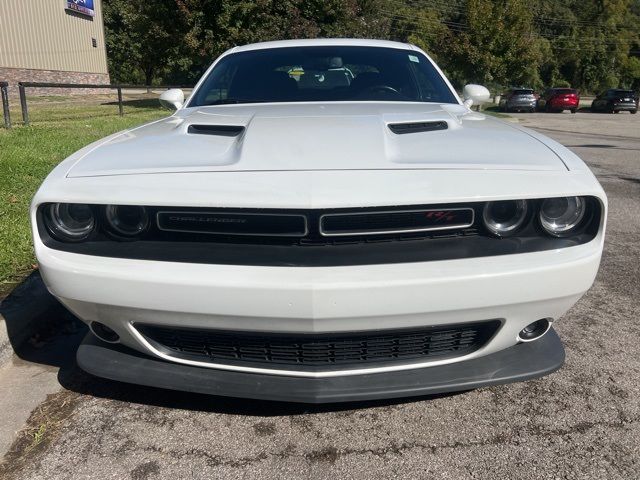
[[518, 99], [559, 99], [615, 100]]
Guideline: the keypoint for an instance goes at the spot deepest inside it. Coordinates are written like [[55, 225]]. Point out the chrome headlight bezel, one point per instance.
[[70, 222], [115, 216], [566, 223], [504, 228]]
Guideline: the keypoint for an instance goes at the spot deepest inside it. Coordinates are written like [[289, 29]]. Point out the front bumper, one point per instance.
[[515, 289], [520, 362]]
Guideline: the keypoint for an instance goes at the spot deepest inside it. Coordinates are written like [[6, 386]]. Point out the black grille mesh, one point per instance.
[[300, 351]]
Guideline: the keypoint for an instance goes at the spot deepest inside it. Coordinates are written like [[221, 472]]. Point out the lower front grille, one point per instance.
[[320, 351]]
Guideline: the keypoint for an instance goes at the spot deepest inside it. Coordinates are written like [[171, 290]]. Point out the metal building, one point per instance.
[[58, 41]]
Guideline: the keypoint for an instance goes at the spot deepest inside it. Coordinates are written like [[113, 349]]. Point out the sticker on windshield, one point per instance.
[[413, 58]]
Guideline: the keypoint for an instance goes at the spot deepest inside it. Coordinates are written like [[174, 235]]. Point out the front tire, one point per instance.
[[574, 110], [633, 112]]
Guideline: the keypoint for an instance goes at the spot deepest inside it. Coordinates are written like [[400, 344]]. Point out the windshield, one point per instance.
[[323, 74], [623, 93]]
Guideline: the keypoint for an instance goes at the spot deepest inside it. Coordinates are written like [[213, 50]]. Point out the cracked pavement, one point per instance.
[[580, 422]]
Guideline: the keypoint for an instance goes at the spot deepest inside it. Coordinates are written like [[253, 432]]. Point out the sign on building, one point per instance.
[[81, 6]]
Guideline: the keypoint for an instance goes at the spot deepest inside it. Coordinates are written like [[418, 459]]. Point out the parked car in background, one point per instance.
[[615, 100], [559, 99], [518, 100]]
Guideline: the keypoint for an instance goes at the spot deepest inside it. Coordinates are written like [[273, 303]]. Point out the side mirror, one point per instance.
[[172, 99], [475, 95]]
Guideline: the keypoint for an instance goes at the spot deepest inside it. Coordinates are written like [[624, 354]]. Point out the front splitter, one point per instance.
[[520, 362]]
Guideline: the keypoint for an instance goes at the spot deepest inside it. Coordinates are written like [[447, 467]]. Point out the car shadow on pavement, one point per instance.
[[33, 318]]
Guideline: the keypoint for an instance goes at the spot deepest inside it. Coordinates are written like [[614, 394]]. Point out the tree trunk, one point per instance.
[[148, 77]]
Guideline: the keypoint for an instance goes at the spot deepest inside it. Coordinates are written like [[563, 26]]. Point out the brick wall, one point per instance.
[[15, 75]]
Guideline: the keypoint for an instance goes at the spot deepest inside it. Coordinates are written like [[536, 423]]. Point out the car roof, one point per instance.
[[320, 42]]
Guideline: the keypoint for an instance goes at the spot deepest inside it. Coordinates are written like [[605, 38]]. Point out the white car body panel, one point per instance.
[[319, 156], [337, 136], [516, 288], [317, 189]]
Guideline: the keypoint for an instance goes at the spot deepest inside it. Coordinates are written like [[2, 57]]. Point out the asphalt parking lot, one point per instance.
[[580, 422]]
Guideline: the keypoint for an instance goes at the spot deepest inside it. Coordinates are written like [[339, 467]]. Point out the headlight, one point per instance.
[[127, 220], [70, 221], [558, 216], [503, 218]]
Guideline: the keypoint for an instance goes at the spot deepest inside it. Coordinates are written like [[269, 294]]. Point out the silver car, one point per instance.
[[518, 100]]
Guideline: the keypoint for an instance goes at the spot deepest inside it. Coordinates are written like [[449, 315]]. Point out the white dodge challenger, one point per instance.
[[321, 221]]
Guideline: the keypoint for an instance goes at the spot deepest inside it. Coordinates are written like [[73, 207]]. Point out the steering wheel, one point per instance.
[[381, 88]]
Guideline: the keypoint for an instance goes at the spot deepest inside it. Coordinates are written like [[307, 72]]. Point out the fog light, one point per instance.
[[559, 216], [534, 330], [104, 333], [127, 220], [503, 218], [71, 222]]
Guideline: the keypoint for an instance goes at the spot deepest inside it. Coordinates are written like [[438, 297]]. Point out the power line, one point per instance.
[[460, 27], [445, 7]]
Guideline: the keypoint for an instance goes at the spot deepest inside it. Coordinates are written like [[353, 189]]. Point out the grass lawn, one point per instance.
[[27, 154]]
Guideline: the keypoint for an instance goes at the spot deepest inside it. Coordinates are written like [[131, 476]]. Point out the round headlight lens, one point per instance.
[[504, 217], [559, 216], [128, 220], [70, 221]]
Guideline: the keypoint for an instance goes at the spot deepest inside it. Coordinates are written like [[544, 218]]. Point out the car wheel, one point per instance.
[[616, 111], [633, 112], [574, 110]]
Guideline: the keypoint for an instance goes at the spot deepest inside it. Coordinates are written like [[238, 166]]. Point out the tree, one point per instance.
[[142, 37], [217, 25], [498, 45], [588, 44]]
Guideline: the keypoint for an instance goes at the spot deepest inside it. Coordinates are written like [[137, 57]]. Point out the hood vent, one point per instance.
[[401, 128], [218, 130]]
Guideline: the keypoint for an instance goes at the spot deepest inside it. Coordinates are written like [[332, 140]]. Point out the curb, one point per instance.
[[23, 313]]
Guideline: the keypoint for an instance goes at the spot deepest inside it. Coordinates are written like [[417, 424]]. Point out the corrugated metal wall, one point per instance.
[[41, 34]]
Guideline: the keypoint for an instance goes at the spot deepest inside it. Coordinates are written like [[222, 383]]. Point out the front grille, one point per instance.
[[320, 351], [394, 221], [310, 225], [235, 223]]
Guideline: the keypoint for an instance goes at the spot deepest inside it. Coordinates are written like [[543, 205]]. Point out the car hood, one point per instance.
[[317, 136]]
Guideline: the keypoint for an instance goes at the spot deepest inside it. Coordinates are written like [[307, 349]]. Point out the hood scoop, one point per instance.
[[217, 130], [416, 127]]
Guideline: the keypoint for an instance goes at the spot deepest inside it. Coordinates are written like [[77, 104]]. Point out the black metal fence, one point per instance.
[[4, 93], [22, 89]]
